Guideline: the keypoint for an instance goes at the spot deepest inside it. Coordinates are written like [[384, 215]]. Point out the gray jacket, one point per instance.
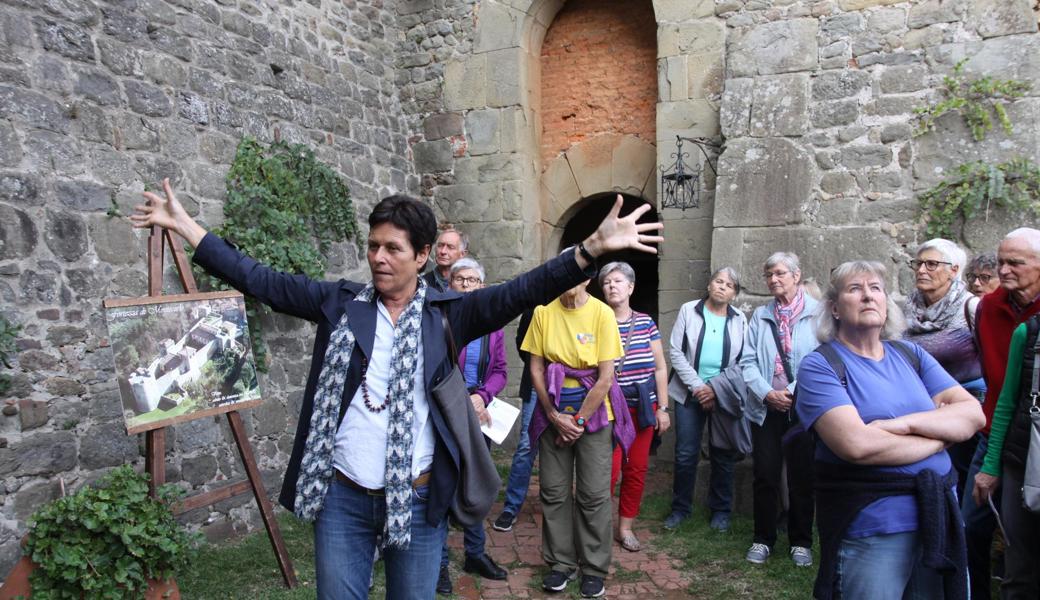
[[685, 347], [760, 353]]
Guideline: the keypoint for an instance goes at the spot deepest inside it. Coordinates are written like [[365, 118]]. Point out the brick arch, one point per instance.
[[605, 163]]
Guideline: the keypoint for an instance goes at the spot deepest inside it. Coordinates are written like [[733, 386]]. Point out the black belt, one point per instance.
[[421, 480]]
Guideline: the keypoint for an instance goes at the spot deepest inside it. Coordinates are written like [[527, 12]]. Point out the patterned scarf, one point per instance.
[[316, 469], [937, 316], [785, 316]]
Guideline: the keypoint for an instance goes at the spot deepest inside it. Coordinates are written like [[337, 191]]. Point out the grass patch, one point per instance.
[[715, 561]]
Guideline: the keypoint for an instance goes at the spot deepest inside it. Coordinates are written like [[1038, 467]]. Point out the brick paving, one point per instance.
[[633, 575]]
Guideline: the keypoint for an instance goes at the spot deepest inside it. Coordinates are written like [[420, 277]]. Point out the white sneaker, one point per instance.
[[757, 554], [801, 556]]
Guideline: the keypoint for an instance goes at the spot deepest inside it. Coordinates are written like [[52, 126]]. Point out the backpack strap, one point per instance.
[[908, 353], [835, 361]]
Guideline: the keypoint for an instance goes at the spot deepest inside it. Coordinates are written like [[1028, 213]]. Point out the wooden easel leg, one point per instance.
[[155, 458], [266, 511]]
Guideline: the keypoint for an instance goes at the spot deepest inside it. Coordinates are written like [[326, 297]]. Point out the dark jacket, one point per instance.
[[470, 316]]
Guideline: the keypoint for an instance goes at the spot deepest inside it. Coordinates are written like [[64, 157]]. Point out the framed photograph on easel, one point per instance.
[[181, 357]]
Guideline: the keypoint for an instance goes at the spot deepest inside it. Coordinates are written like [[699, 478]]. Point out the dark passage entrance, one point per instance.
[[582, 224]]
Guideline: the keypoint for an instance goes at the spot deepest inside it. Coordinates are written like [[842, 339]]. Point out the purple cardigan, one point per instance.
[[495, 376], [624, 430]]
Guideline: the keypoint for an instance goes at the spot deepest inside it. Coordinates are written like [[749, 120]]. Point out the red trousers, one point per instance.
[[633, 471]]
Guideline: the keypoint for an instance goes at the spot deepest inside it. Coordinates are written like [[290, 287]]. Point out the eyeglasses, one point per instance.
[[466, 280], [777, 274], [930, 265], [983, 278]]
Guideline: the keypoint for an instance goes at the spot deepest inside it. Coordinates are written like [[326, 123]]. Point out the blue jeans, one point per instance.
[[886, 567], [689, 426], [523, 460], [345, 539], [979, 524], [472, 540]]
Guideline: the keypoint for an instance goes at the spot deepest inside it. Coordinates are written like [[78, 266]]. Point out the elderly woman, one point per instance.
[[373, 457], [780, 335], [483, 364], [884, 413], [981, 274], [573, 342], [707, 338], [642, 376]]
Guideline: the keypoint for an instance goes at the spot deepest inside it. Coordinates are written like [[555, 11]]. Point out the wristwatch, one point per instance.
[[579, 420]]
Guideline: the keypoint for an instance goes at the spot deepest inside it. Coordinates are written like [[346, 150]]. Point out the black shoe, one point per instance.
[[556, 581], [591, 586], [485, 567], [504, 522], [444, 582]]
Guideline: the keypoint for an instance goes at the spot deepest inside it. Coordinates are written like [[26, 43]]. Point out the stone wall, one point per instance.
[[97, 100], [817, 112]]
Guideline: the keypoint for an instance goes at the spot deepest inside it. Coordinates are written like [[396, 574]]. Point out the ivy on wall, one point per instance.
[[8, 335], [284, 208], [977, 101], [979, 187]]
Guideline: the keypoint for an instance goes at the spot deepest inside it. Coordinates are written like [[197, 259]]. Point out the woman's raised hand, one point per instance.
[[619, 233], [167, 213]]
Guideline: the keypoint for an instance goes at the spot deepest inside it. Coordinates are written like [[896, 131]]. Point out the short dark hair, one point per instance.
[[987, 261], [407, 213]]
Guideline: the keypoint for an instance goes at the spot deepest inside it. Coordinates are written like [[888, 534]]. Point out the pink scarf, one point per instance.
[[785, 316]]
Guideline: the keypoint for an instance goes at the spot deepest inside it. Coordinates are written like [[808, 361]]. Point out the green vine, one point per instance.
[[975, 100], [107, 541], [979, 187], [8, 335], [284, 208]]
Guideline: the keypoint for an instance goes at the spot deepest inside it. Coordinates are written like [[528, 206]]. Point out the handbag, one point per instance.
[[1031, 477], [479, 480]]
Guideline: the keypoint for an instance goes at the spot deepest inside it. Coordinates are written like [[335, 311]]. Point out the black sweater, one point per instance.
[[842, 491]]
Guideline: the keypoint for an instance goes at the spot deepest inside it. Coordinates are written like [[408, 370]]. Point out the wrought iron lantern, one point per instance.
[[680, 183]]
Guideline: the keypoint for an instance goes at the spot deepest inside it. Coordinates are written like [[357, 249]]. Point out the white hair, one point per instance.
[[827, 325], [950, 252], [1028, 235], [789, 260], [728, 272], [467, 263], [619, 266]]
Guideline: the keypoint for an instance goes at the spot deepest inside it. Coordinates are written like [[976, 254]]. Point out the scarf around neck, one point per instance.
[[316, 467], [785, 316], [938, 316]]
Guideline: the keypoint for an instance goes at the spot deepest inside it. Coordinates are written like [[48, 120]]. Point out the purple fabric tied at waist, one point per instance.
[[624, 431]]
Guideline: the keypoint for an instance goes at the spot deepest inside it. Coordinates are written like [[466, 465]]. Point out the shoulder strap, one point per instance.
[[908, 353], [835, 361], [628, 339], [784, 359], [1032, 327], [449, 339]]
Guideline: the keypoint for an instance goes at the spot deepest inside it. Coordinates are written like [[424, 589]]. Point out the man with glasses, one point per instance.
[[1000, 312], [451, 245], [981, 274]]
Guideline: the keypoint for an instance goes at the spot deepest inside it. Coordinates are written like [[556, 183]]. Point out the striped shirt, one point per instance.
[[639, 358]]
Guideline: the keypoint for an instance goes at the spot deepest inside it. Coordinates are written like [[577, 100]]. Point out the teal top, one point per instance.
[[1005, 403], [711, 347]]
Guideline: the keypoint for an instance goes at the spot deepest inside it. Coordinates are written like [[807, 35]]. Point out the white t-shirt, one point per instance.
[[360, 451]]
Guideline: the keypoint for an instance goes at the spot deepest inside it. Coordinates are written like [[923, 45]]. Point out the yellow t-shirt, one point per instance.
[[580, 338]]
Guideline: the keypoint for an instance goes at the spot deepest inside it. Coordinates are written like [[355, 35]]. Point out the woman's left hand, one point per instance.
[[663, 421], [478, 406], [620, 233]]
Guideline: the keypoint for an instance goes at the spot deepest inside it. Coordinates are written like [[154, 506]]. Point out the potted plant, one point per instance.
[[112, 540]]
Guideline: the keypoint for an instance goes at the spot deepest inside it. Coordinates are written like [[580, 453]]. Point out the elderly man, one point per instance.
[[451, 245], [1017, 299], [373, 455]]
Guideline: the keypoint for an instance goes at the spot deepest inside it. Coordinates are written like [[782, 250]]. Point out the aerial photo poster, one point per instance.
[[181, 357]]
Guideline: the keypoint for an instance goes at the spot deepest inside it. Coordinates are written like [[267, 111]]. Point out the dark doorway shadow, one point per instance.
[[594, 209]]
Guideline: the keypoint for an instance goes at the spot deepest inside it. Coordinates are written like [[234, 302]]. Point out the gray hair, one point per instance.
[[463, 238], [788, 259], [827, 325], [621, 267], [728, 272], [949, 250], [1029, 235], [467, 263], [987, 261]]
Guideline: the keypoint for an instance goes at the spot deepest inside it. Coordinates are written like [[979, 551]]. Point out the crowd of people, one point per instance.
[[901, 434]]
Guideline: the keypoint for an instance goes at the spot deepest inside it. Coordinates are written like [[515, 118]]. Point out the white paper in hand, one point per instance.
[[503, 415]]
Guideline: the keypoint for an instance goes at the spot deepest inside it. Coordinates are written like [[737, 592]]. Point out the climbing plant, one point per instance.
[[979, 187], [977, 100], [8, 335], [284, 208]]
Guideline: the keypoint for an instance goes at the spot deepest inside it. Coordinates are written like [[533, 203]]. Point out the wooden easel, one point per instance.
[[155, 439]]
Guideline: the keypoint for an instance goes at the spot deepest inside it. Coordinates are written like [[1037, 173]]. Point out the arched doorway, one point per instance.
[[592, 211]]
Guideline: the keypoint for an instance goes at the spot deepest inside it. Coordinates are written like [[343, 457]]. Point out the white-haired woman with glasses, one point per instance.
[[884, 412], [642, 376], [780, 335]]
